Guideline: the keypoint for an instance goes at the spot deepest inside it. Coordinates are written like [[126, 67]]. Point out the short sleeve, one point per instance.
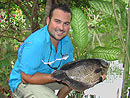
[[29, 56]]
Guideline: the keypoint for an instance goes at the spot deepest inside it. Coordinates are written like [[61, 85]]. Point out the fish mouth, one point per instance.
[[100, 80]]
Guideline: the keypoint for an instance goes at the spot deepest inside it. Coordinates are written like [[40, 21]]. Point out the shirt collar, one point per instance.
[[47, 34]]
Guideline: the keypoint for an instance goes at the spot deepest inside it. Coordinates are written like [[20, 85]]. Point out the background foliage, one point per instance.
[[95, 33]]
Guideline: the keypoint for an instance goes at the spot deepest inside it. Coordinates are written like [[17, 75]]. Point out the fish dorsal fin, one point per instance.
[[72, 64], [77, 63]]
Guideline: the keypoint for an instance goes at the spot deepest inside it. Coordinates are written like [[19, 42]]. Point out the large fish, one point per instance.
[[82, 74]]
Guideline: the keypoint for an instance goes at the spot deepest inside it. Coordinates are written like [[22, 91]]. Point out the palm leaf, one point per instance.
[[109, 54], [80, 29]]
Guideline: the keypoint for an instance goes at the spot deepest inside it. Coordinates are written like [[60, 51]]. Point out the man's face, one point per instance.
[[59, 24]]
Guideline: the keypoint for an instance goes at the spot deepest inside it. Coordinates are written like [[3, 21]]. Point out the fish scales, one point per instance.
[[83, 73]]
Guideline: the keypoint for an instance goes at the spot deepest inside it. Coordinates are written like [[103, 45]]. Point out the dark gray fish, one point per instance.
[[82, 74]]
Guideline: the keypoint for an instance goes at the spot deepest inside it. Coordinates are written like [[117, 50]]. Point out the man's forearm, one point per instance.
[[63, 92], [37, 78]]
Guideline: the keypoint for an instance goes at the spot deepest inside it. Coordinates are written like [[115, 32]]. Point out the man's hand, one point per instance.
[[59, 75]]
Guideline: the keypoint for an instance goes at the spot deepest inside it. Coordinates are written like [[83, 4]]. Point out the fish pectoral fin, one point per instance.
[[59, 75], [76, 85]]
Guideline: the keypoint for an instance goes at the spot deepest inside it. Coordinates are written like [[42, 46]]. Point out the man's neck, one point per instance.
[[54, 42]]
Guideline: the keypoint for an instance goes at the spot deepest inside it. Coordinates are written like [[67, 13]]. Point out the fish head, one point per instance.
[[100, 70]]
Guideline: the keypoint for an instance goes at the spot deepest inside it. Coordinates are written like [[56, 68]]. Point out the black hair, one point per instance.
[[62, 7]]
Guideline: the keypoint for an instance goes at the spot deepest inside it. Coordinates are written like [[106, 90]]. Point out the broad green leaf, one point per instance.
[[80, 29], [109, 54], [103, 6]]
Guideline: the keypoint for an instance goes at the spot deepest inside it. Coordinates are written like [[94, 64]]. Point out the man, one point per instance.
[[41, 53]]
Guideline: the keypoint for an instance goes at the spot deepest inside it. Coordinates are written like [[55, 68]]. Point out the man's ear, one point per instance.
[[47, 20]]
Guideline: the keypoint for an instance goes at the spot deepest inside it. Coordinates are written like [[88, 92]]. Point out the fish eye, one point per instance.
[[98, 70]]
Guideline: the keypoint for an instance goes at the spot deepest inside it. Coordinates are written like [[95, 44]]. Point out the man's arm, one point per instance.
[[37, 78]]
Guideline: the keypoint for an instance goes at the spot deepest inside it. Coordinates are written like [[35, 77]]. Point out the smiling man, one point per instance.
[[41, 53]]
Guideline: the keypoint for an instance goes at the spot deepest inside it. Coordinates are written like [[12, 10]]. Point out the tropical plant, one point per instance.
[[80, 31], [81, 39]]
